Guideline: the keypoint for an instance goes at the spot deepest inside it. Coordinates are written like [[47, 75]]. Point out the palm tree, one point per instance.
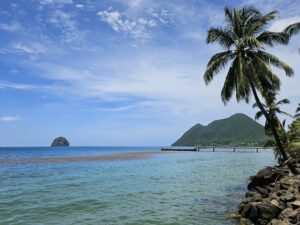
[[273, 109], [244, 39]]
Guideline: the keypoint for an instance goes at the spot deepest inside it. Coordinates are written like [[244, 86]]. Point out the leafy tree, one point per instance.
[[293, 135], [244, 39], [273, 109]]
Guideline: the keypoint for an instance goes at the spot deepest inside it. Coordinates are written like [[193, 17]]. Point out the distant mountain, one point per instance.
[[238, 129]]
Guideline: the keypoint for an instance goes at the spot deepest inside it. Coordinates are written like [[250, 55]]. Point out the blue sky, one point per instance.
[[118, 72]]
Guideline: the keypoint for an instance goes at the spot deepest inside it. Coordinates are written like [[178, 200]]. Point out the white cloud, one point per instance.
[[13, 26], [79, 6], [5, 84], [281, 24], [10, 118], [31, 48], [159, 81], [138, 28], [163, 16], [54, 2], [68, 26]]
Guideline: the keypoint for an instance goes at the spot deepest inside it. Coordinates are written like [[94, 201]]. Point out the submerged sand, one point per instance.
[[105, 157]]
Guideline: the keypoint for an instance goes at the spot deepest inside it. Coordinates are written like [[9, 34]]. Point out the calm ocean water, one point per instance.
[[170, 189]]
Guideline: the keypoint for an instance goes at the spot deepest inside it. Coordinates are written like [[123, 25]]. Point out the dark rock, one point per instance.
[[60, 142], [246, 210], [251, 194], [253, 213], [263, 191], [264, 177], [273, 197], [267, 211]]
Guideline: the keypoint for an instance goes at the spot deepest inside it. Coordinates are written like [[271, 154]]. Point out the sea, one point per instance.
[[124, 185]]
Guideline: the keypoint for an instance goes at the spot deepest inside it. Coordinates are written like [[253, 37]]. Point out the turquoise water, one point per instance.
[[177, 188]]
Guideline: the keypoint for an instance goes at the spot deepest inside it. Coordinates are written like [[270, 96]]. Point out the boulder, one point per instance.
[[296, 203], [60, 142], [267, 211], [288, 213], [264, 177], [245, 221]]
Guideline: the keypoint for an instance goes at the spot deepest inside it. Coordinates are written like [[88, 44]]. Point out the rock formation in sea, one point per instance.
[[60, 142], [273, 198]]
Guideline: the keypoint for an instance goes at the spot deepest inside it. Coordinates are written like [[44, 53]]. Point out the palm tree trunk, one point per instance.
[[274, 131]]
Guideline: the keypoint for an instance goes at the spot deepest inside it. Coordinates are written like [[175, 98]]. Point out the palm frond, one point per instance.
[[283, 101], [216, 63], [292, 29], [220, 36], [251, 42], [265, 80], [230, 83], [258, 115], [260, 22], [273, 38], [273, 60], [285, 113]]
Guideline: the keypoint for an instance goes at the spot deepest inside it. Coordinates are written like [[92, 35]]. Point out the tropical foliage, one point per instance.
[[244, 39], [273, 109]]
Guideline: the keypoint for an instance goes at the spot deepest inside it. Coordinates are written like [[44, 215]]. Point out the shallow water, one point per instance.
[[175, 188]]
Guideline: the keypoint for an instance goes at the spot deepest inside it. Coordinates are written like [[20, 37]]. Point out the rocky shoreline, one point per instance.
[[273, 198]]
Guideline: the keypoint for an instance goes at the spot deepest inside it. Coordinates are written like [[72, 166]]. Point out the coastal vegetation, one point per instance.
[[273, 196], [237, 130], [244, 39]]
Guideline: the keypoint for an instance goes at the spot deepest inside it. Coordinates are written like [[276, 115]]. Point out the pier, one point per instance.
[[181, 149], [212, 148]]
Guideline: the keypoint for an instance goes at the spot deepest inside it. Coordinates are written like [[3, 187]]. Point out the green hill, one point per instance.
[[238, 129]]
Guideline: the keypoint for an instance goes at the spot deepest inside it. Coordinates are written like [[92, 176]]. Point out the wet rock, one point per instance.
[[273, 198], [263, 191], [245, 221], [267, 211], [252, 194], [253, 213], [234, 216], [264, 177], [246, 210]]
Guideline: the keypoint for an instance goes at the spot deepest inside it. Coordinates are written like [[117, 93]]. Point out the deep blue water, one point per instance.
[[176, 188]]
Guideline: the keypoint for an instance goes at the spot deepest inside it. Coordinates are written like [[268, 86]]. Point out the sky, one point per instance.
[[119, 72]]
